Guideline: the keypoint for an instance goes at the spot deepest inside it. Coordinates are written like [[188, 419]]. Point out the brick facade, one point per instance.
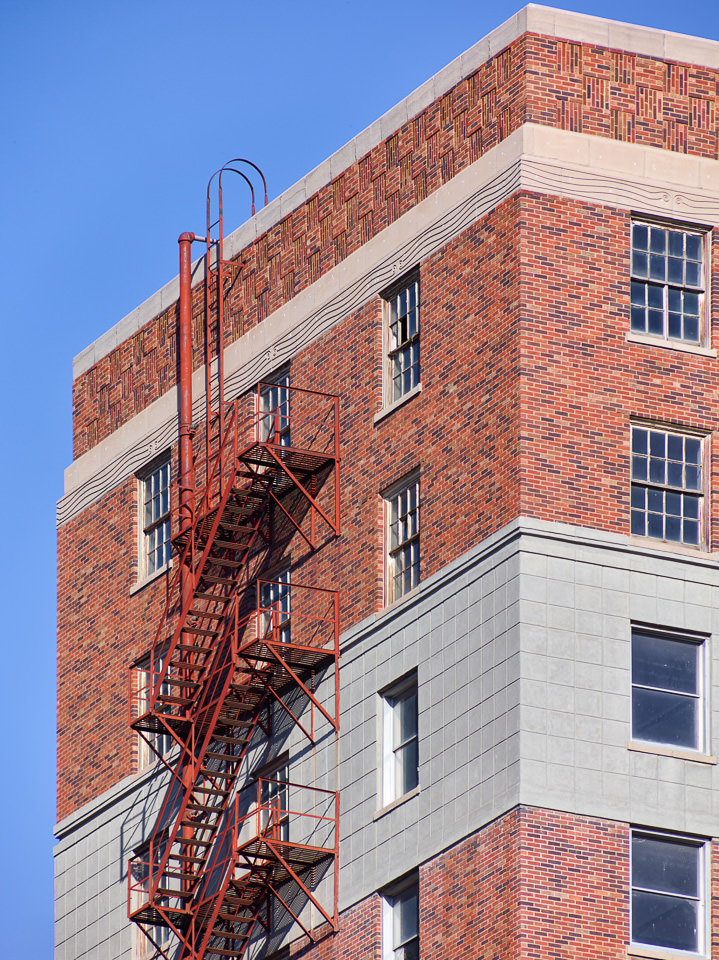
[[529, 387], [544, 317], [556, 83], [534, 883]]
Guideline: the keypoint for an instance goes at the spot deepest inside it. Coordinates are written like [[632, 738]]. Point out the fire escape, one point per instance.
[[229, 656]]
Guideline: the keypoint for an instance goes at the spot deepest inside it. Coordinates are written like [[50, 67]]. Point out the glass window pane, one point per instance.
[[657, 443], [692, 450], [640, 236], [664, 718], [675, 271], [639, 497], [676, 243], [657, 470], [639, 468], [655, 297], [693, 274], [693, 246], [665, 662], [658, 240], [691, 329], [662, 921], [639, 440], [640, 264], [691, 532], [655, 525], [657, 267], [665, 865], [638, 523]]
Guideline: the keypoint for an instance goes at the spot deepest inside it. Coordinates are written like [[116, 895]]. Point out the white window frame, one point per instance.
[[279, 772], [701, 644], [396, 751], [642, 282], [273, 413], [402, 537], [646, 486], [402, 359], [159, 520], [142, 948], [163, 742], [276, 594], [701, 900], [394, 899]]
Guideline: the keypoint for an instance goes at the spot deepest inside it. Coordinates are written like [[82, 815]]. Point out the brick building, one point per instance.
[[506, 282]]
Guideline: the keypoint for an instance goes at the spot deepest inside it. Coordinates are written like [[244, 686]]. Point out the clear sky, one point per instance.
[[114, 115]]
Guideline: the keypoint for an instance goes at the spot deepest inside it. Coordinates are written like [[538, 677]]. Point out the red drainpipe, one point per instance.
[[187, 480]]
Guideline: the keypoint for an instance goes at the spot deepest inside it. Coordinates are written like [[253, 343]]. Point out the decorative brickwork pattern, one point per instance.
[[556, 83]]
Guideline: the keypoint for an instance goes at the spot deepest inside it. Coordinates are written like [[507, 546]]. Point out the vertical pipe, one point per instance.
[[186, 482], [186, 479]]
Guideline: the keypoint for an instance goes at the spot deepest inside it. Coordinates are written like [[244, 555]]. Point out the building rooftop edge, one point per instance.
[[533, 18]]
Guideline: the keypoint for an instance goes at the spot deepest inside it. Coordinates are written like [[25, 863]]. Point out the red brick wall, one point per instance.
[[580, 380], [528, 389], [537, 79], [462, 437], [534, 883], [101, 630]]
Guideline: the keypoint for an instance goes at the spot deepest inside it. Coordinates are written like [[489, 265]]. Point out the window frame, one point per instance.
[[392, 554], [392, 899], [276, 770], [700, 698], [391, 700], [702, 493], [280, 381], [702, 901], [703, 233], [146, 756], [142, 947], [276, 591], [147, 530], [390, 352]]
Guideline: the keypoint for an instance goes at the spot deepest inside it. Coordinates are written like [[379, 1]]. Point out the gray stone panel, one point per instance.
[[522, 654], [580, 594]]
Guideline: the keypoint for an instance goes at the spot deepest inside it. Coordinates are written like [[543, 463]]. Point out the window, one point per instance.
[[402, 326], [667, 689], [400, 753], [400, 922], [402, 538], [142, 947], [667, 494], [274, 801], [274, 412], [156, 519], [667, 282], [275, 606], [668, 892], [151, 745]]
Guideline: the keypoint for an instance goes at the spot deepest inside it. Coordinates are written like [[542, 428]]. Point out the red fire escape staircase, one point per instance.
[[214, 670]]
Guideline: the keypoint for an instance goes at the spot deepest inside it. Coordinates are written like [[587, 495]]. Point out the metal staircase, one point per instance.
[[224, 661]]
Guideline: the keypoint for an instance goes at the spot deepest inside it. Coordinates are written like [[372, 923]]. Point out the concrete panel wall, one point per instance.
[[522, 653], [580, 595]]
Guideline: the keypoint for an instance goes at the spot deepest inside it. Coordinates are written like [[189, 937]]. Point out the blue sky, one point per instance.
[[114, 115]]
